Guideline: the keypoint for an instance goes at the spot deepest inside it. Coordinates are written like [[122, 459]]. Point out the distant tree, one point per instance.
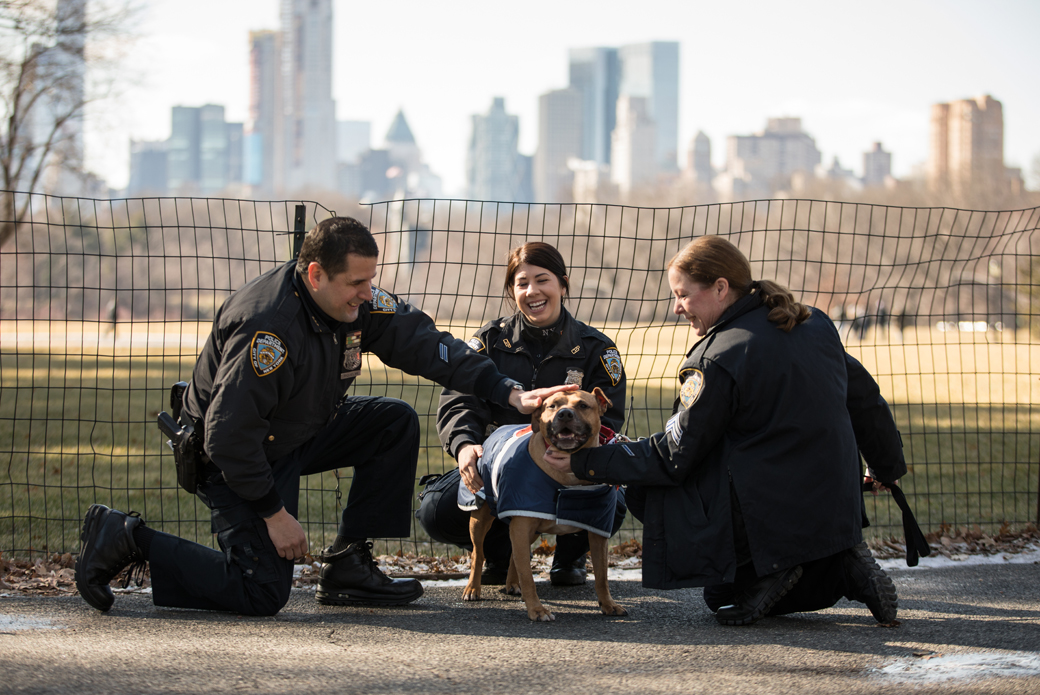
[[45, 63]]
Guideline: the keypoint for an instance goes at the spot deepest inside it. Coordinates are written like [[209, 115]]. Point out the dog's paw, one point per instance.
[[470, 594], [541, 615], [612, 609], [511, 590]]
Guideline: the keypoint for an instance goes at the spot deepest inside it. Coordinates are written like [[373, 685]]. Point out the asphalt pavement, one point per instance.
[[964, 629]]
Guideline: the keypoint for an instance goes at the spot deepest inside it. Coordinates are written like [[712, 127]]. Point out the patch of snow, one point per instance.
[[969, 666]]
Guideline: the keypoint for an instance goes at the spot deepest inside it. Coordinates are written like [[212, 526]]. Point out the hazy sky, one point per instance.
[[855, 73]]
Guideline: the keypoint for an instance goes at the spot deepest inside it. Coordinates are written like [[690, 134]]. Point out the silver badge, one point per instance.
[[574, 376], [351, 355]]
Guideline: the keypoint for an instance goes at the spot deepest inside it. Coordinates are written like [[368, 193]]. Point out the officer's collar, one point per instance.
[[747, 303], [569, 343], [318, 316]]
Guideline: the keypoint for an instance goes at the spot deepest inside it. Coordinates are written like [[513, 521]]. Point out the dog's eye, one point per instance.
[[583, 405]]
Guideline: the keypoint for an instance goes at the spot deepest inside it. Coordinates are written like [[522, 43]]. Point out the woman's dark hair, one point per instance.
[[535, 253], [708, 258], [331, 240]]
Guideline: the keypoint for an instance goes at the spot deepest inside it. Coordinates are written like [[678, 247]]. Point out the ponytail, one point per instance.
[[784, 309]]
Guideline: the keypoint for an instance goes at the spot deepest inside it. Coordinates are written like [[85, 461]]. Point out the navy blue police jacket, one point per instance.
[[272, 373], [785, 417], [582, 356]]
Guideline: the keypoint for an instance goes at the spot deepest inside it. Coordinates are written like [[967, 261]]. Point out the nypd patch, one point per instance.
[[383, 302], [611, 360], [267, 352], [476, 343], [691, 388]]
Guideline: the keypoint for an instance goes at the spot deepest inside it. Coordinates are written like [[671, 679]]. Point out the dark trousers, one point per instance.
[[822, 584], [440, 515], [377, 437]]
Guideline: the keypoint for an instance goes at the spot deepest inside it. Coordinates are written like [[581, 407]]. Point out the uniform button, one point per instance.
[[270, 437], [776, 566], [249, 571], [592, 472]]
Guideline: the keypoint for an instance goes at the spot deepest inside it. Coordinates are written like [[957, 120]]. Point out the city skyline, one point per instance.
[[440, 86]]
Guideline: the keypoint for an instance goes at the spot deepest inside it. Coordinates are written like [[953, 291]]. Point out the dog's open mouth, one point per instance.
[[569, 436]]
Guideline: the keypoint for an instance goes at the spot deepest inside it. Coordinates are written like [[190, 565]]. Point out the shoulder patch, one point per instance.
[[691, 388], [383, 302], [611, 360], [476, 343], [267, 352]]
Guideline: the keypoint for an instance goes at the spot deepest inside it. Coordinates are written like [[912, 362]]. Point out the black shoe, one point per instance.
[[755, 601], [352, 577], [568, 572], [494, 573], [869, 584], [107, 548]]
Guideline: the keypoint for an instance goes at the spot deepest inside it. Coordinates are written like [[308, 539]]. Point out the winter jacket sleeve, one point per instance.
[[872, 422], [666, 458], [407, 339]]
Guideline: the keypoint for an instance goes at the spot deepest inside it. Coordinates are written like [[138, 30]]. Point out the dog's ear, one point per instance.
[[601, 398], [536, 417]]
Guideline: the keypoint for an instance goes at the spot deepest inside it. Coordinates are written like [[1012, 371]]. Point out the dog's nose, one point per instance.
[[565, 414]]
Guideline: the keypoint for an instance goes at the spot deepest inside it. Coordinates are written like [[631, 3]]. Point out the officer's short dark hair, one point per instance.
[[331, 240]]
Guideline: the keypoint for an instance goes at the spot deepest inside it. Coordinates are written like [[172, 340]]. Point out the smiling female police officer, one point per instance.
[[754, 488]]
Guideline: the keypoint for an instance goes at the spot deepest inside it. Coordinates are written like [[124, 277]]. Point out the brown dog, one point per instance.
[[568, 422]]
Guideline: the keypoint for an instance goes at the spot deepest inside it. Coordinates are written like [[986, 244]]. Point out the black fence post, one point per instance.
[[299, 230]]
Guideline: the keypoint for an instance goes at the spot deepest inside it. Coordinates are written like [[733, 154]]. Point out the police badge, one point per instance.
[[267, 353], [611, 360], [574, 376], [691, 388], [351, 355]]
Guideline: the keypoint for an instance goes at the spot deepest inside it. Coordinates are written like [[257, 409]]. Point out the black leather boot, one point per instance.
[[754, 602], [107, 548], [568, 566], [868, 583], [352, 577]]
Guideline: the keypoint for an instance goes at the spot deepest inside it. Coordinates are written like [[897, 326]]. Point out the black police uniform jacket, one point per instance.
[[582, 356], [272, 373], [781, 413]]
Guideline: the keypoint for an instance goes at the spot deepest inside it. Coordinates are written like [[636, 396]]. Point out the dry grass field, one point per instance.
[[78, 404]]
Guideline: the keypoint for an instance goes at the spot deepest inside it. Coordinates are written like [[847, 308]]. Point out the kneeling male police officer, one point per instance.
[[268, 398]]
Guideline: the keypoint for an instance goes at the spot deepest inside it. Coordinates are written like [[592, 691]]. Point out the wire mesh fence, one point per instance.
[[104, 304]]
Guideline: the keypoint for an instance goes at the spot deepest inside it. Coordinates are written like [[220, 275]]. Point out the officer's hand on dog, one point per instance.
[[287, 535], [557, 459], [468, 456], [528, 401]]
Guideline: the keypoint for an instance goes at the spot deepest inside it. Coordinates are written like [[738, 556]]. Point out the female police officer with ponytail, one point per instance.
[[753, 490]]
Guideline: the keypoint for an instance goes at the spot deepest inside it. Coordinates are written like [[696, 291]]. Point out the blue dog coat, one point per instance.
[[518, 487]]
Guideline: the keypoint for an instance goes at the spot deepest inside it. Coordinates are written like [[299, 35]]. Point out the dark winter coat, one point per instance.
[[582, 355], [272, 373], [782, 414]]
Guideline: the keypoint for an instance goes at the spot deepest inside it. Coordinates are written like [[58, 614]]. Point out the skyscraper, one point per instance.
[[204, 152], [595, 74], [182, 151], [633, 145], [698, 159], [759, 165], [559, 139], [651, 71], [967, 146], [877, 166], [491, 160], [264, 146], [308, 109]]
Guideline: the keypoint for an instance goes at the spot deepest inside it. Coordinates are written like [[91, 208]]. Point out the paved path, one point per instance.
[[982, 620]]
